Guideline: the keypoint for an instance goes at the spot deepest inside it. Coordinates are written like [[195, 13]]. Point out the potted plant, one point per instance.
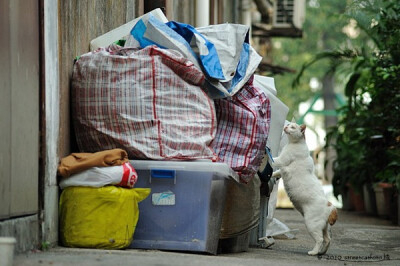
[[385, 145], [387, 188]]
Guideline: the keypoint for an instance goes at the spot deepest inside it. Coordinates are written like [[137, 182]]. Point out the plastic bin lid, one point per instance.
[[219, 168]]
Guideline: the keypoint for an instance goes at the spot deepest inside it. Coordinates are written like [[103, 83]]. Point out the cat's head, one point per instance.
[[294, 131]]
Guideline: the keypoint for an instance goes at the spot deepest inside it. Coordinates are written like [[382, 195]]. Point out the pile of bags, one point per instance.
[[173, 92], [170, 92]]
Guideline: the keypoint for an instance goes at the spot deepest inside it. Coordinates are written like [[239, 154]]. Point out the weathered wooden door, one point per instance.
[[19, 107]]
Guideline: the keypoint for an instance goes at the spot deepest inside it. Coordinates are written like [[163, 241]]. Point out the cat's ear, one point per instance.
[[303, 128], [293, 120]]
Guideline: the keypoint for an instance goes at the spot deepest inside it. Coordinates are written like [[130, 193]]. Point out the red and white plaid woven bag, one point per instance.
[[242, 131], [147, 102]]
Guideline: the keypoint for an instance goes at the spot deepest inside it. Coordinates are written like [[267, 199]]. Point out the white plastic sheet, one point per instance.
[[122, 175], [238, 59], [122, 32]]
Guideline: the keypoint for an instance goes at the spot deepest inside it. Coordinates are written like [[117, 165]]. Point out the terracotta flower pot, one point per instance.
[[390, 196], [395, 208], [369, 199], [398, 209], [386, 200], [380, 201], [346, 200], [358, 200]]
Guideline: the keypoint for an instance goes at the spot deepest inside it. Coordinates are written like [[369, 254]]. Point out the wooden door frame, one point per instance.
[[49, 120]]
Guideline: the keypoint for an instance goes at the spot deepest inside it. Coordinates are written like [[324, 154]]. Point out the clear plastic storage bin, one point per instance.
[[185, 207]]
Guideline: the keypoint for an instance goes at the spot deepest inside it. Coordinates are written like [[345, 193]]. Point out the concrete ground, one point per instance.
[[357, 240]]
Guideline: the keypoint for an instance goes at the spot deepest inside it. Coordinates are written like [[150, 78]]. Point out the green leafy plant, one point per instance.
[[45, 246]]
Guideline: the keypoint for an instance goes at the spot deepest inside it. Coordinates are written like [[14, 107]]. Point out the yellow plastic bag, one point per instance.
[[102, 218]]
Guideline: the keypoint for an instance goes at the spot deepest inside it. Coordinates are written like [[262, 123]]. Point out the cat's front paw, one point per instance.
[[276, 174], [276, 162]]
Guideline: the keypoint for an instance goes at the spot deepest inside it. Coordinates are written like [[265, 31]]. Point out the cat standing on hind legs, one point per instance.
[[296, 168]]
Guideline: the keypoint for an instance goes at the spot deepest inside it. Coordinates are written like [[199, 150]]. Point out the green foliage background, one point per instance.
[[323, 30], [366, 67], [358, 42]]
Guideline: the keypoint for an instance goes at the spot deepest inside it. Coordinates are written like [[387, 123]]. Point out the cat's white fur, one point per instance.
[[296, 167]]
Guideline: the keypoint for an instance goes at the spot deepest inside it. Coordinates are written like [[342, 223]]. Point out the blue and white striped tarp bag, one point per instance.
[[221, 51]]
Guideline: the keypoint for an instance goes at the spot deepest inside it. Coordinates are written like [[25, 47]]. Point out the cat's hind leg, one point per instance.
[[327, 239], [315, 229]]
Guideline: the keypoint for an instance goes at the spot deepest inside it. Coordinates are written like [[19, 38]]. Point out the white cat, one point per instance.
[[296, 167]]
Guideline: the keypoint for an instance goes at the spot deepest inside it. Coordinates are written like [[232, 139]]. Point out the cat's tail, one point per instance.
[[333, 215]]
